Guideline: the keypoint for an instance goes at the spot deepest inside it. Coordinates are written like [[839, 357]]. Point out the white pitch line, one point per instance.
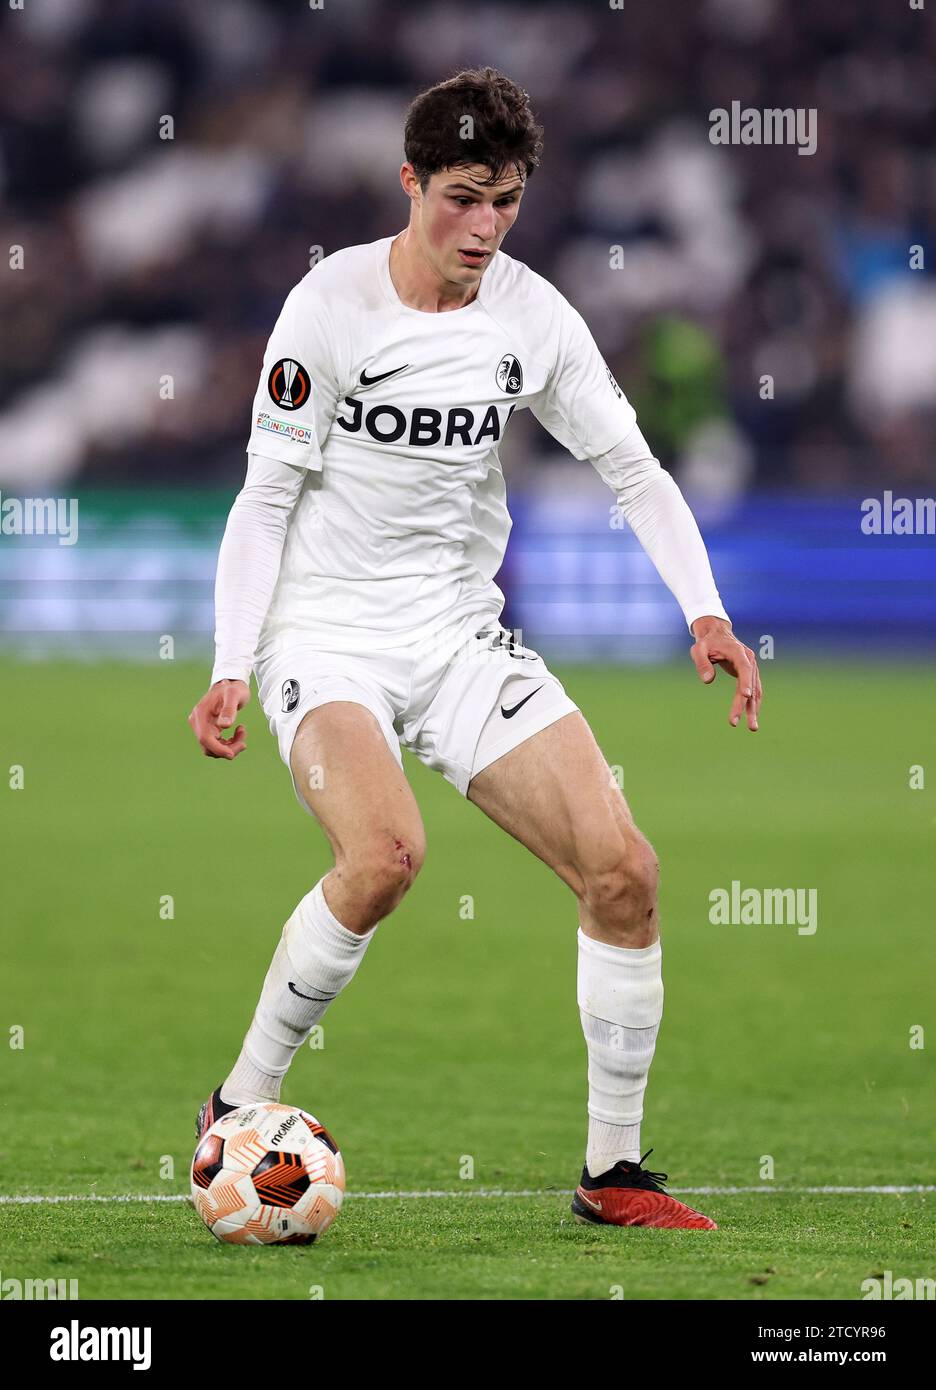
[[893, 1190]]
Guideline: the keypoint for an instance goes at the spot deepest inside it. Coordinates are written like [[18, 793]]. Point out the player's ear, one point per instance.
[[410, 182]]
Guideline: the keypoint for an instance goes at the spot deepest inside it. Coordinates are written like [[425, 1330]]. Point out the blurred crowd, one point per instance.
[[765, 310]]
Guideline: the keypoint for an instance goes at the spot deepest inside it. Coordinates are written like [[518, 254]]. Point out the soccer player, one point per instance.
[[356, 579]]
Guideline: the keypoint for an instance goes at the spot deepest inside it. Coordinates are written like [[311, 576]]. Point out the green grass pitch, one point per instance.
[[458, 1043]]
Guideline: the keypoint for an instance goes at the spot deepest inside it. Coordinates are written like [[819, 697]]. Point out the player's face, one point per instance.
[[462, 220]]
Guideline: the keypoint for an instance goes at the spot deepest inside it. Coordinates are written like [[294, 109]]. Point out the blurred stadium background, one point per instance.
[[153, 268]]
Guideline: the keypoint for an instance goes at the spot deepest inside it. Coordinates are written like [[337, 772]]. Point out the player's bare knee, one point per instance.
[[620, 892], [382, 872]]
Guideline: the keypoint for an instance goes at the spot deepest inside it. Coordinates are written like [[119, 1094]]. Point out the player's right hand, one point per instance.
[[214, 713]]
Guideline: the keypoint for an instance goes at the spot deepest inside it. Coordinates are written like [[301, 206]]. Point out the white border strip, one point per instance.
[[52, 1200]]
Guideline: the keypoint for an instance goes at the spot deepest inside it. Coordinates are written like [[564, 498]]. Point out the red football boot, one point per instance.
[[213, 1108], [629, 1195]]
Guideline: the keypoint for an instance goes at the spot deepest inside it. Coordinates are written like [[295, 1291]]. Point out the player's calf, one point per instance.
[[620, 989], [317, 956]]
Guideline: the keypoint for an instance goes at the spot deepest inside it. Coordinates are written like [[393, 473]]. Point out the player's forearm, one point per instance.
[[660, 518], [249, 563]]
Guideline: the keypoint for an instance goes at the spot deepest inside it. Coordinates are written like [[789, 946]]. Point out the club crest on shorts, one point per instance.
[[509, 375], [290, 696], [289, 384]]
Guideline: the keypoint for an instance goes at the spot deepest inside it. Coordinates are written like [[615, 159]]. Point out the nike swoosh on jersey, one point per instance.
[[509, 713], [373, 380], [315, 998]]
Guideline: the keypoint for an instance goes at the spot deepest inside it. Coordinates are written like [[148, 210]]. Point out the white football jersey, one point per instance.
[[397, 415]]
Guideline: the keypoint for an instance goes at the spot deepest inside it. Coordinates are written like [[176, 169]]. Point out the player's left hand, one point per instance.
[[716, 645]]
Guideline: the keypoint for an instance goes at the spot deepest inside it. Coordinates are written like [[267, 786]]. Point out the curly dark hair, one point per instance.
[[501, 133]]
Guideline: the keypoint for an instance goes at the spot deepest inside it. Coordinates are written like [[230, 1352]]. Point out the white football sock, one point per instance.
[[317, 956], [620, 998]]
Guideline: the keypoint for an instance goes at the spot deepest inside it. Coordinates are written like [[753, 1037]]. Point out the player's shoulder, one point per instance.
[[526, 302], [341, 280], [515, 281]]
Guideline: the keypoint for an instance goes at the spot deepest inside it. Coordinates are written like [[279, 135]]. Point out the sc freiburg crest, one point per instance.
[[510, 375]]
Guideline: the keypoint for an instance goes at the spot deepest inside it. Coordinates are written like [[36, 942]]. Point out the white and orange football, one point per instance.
[[267, 1174]]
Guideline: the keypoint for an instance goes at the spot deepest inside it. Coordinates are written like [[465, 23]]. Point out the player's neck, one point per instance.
[[418, 285]]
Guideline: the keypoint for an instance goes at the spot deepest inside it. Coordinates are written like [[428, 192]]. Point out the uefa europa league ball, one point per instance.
[[267, 1174]]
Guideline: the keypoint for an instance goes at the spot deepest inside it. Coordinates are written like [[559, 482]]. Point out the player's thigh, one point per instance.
[[355, 788], [555, 794]]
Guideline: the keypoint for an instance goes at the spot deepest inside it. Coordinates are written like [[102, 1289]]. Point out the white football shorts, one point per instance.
[[458, 701]]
